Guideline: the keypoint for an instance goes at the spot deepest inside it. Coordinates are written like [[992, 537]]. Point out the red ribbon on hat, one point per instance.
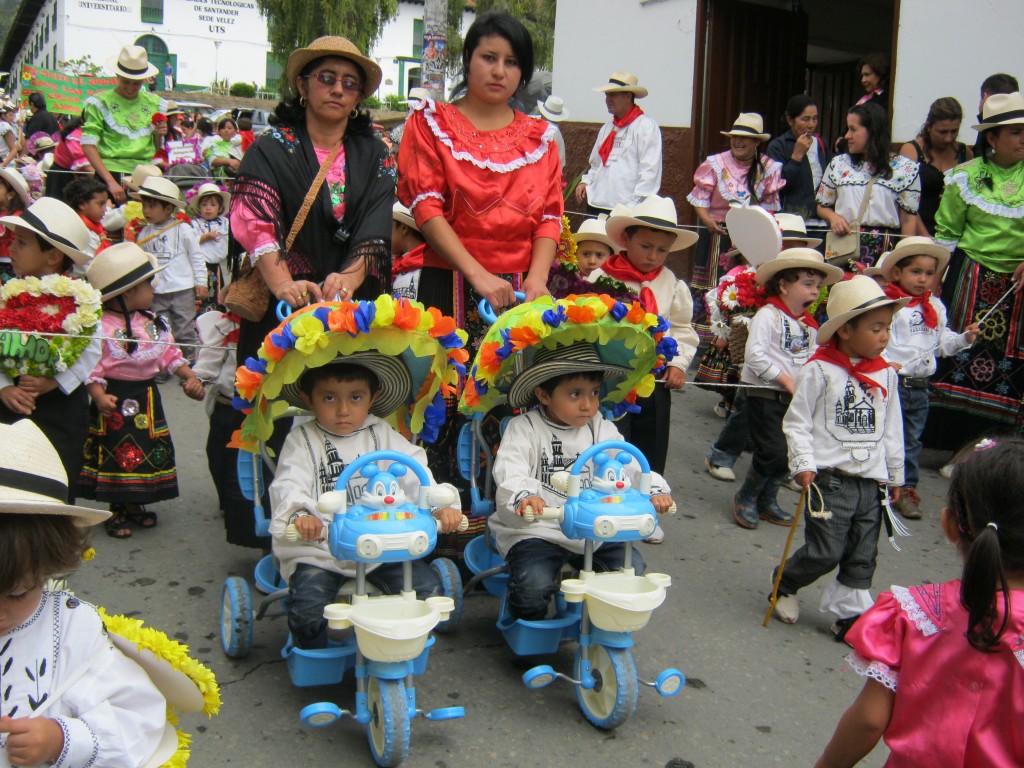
[[621, 268], [830, 353], [605, 150], [931, 317]]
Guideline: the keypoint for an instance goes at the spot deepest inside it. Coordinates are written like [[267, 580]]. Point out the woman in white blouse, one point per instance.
[[893, 199]]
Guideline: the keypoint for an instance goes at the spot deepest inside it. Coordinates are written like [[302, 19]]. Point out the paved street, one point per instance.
[[756, 697]]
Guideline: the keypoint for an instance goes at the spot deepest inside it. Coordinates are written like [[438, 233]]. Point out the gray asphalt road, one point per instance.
[[756, 696]]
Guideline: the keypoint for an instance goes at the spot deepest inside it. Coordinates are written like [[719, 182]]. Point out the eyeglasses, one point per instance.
[[348, 84]]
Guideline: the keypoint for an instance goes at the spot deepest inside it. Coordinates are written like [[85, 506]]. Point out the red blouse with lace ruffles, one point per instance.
[[499, 190]]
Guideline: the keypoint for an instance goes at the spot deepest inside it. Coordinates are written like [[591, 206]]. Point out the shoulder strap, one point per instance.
[[917, 148], [864, 203], [307, 203], [159, 232]]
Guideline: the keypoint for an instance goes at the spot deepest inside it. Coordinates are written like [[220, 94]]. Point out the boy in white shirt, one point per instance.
[[781, 337], [919, 333], [567, 383], [347, 397], [845, 435]]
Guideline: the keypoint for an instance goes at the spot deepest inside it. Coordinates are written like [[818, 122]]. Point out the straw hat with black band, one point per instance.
[[142, 172], [57, 223], [854, 297], [159, 188], [1002, 109], [549, 362], [794, 228], [333, 46], [595, 230], [654, 212], [116, 269], [909, 247], [208, 189], [132, 63], [623, 82], [553, 109], [17, 182], [749, 125], [32, 478], [400, 213], [172, 108], [798, 258], [392, 377]]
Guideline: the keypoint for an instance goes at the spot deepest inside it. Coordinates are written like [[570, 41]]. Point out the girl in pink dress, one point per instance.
[[129, 456], [945, 662]]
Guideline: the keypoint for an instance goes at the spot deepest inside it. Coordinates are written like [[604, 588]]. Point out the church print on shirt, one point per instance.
[[855, 412], [854, 416], [556, 461]]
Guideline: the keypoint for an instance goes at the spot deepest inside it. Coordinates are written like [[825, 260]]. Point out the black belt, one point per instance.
[[222, 399], [914, 382], [771, 394]]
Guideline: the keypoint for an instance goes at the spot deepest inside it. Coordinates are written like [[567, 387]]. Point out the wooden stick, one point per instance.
[[785, 555]]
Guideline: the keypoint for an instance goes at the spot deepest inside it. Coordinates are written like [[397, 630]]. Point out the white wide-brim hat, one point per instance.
[[116, 269], [393, 377], [208, 189], [334, 46], [749, 125], [43, 142], [416, 94], [553, 109], [595, 230], [794, 228], [140, 174], [1002, 109], [17, 182], [798, 258], [913, 246], [159, 188], [623, 82], [171, 108], [132, 63], [655, 212], [400, 213], [57, 223], [548, 362], [854, 297], [32, 478]]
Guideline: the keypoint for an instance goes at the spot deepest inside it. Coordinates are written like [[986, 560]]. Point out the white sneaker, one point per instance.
[[787, 609], [947, 470], [657, 537], [722, 410], [720, 473]]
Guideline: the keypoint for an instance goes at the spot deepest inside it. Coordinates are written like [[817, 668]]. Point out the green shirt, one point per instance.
[[120, 129], [987, 224]]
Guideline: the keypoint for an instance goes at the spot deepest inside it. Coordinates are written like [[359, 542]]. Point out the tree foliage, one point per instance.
[[538, 16], [83, 65], [294, 24]]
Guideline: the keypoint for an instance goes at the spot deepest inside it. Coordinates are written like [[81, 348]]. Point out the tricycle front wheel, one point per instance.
[[388, 729], [612, 700]]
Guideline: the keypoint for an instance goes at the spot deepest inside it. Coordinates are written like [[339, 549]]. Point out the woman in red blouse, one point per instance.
[[483, 181]]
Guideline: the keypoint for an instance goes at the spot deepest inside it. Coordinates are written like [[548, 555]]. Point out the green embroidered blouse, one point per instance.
[[122, 130], [987, 224]]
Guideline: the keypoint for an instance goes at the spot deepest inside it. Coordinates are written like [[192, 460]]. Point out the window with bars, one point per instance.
[[153, 11]]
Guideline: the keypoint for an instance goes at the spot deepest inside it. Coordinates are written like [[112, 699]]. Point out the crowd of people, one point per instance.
[[170, 243]]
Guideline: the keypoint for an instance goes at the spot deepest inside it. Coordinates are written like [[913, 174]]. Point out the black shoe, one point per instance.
[[841, 627]]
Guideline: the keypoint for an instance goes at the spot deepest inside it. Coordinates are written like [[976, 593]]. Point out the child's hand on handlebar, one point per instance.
[[450, 518], [530, 501], [309, 527], [662, 503]]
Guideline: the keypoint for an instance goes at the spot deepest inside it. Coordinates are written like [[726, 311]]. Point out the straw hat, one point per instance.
[[16, 182], [913, 246], [416, 94], [655, 212], [1002, 109], [594, 229], [116, 269], [548, 362], [41, 141], [748, 125], [32, 478], [794, 228], [132, 63], [400, 213], [140, 174], [334, 46], [159, 188], [57, 223], [854, 297], [553, 109], [208, 189], [172, 108], [392, 376], [623, 82], [798, 258]]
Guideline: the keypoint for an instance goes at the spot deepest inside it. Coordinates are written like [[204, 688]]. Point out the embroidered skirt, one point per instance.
[[129, 456], [978, 391]]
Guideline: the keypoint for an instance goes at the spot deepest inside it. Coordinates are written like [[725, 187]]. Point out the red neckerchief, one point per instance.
[[804, 319], [232, 337], [931, 317], [92, 226], [830, 353], [408, 261], [621, 268], [605, 150]]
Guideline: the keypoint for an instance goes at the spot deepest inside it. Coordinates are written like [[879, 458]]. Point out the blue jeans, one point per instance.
[[914, 404], [534, 565], [732, 440], [311, 589]]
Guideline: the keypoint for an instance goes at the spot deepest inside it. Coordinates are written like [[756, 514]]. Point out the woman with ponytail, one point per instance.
[[129, 456], [944, 661]]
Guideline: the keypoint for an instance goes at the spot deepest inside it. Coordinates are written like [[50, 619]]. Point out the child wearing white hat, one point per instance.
[[211, 229], [593, 246], [845, 436], [408, 248]]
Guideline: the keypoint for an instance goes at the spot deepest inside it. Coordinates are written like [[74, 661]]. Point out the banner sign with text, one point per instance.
[[65, 94]]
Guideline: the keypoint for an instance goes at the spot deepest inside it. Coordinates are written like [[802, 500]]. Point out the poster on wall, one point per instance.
[[65, 94]]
